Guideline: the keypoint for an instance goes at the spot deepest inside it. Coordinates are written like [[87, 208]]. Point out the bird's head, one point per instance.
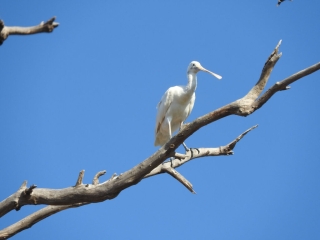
[[195, 67]]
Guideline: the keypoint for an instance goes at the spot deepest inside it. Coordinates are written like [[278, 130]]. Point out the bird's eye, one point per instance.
[[193, 65]]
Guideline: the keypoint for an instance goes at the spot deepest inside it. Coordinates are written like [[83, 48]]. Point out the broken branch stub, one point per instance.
[[80, 177], [96, 177]]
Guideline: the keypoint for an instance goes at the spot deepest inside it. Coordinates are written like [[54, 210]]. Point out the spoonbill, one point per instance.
[[176, 105]]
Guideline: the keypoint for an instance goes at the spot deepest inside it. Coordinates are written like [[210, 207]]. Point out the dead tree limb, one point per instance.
[[175, 174], [198, 153], [43, 27], [100, 192], [33, 218], [87, 193], [166, 167]]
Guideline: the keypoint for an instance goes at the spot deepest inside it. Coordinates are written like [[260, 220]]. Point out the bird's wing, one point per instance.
[[163, 107], [191, 104]]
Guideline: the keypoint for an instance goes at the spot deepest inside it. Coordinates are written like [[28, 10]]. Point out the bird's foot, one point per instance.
[[191, 151]]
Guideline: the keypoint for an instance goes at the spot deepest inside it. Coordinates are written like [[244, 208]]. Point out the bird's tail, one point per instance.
[[160, 139]]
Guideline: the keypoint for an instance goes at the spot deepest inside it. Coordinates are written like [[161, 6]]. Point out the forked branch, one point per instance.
[[284, 85], [198, 153]]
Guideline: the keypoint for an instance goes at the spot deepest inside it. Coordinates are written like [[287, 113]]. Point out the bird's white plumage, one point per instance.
[[176, 105]]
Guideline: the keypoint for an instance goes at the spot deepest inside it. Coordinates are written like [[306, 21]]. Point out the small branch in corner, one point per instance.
[[43, 27]]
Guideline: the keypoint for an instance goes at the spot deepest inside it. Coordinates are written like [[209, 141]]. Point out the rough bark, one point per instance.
[[82, 194], [46, 27]]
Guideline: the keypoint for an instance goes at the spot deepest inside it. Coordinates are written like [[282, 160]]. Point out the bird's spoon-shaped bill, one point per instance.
[[213, 74]]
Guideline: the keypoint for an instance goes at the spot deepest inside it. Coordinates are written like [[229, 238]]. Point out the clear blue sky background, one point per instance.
[[85, 96]]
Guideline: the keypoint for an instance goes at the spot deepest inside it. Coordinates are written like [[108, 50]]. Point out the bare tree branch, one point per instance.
[[88, 193], [254, 93], [41, 214], [284, 85], [33, 218], [13, 202], [175, 174], [198, 153], [47, 27]]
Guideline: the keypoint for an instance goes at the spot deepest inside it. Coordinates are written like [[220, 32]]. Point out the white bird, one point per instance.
[[176, 105]]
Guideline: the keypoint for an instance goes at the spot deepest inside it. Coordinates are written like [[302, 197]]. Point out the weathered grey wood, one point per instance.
[[101, 192], [284, 85], [198, 153], [80, 177], [33, 218], [47, 27], [175, 174], [37, 216]]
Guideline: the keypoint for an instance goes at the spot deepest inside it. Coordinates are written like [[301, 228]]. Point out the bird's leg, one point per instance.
[[184, 145], [169, 124]]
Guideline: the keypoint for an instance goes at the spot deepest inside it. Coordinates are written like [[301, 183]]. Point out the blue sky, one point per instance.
[[85, 96]]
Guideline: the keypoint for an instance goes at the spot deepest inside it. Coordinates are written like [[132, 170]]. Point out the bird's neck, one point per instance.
[[192, 83]]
